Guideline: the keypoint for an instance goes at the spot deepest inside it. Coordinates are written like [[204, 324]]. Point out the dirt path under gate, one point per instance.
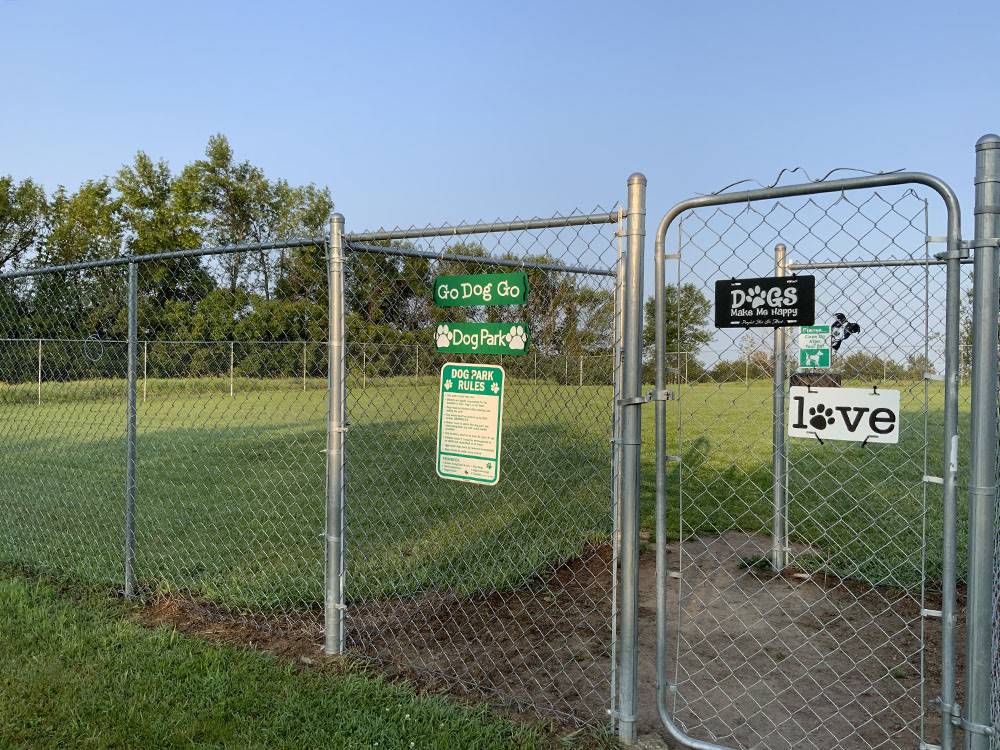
[[767, 660]]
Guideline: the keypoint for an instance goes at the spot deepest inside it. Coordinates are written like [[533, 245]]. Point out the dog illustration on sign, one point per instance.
[[813, 360], [843, 329]]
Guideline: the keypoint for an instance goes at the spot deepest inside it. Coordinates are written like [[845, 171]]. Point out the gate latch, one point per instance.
[[664, 395]]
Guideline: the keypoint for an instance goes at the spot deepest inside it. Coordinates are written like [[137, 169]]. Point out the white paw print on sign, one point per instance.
[[756, 296], [517, 338], [444, 337]]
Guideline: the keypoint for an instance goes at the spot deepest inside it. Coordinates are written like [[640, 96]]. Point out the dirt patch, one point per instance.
[[761, 660]]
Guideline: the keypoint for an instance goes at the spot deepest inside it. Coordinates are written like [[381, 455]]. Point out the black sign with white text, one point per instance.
[[767, 302]]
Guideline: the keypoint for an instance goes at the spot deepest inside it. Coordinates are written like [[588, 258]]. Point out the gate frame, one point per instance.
[[952, 258]]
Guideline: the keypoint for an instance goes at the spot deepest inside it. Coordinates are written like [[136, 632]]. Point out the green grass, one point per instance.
[[79, 674], [231, 490], [860, 507]]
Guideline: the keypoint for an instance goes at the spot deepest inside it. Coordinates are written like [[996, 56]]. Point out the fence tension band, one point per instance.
[[968, 726], [619, 716], [648, 398]]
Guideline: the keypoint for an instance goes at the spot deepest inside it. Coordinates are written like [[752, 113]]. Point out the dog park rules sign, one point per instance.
[[470, 423], [862, 415], [768, 302]]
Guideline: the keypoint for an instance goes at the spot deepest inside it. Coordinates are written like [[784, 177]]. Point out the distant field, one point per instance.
[[231, 490]]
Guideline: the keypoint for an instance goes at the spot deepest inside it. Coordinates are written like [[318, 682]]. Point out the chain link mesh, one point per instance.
[[834, 650], [502, 592], [62, 388], [505, 591], [232, 432], [230, 429]]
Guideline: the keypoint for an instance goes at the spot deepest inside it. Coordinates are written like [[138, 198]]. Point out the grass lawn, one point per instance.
[[231, 490], [78, 673]]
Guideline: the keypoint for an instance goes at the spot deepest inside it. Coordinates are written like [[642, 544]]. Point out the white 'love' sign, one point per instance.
[[863, 415]]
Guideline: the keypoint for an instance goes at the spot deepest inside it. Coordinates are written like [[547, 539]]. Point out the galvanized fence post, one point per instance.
[[983, 449], [130, 434], [616, 457], [631, 440], [779, 535], [949, 469], [39, 372], [336, 427]]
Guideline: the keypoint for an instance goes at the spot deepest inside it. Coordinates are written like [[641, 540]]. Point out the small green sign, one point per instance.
[[487, 289], [814, 347], [483, 338], [470, 423]]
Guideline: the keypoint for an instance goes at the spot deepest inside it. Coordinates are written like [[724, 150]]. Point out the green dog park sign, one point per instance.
[[484, 289], [482, 338]]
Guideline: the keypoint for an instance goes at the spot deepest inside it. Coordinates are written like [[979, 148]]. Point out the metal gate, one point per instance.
[[801, 583]]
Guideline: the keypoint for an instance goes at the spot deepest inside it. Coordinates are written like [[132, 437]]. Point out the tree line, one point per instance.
[[146, 207]]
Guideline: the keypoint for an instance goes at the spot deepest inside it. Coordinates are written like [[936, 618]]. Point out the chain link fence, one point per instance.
[[229, 429], [63, 461], [840, 646], [504, 591], [212, 507]]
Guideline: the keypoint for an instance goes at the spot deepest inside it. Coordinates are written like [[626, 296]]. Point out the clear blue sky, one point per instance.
[[417, 112]]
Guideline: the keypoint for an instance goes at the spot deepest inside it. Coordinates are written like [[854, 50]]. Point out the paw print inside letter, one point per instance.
[[820, 417], [516, 338], [756, 296], [444, 337]]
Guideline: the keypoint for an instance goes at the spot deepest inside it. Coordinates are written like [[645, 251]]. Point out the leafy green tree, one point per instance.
[[687, 321], [158, 214], [23, 208], [72, 306], [238, 204], [867, 367]]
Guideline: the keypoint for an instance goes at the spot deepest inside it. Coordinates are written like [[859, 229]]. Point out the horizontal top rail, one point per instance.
[[555, 222], [887, 263], [485, 260], [123, 260], [97, 339]]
